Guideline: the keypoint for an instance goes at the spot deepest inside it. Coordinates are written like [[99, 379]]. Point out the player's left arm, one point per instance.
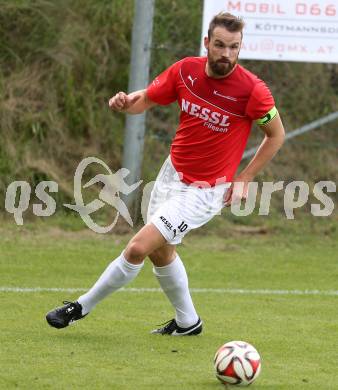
[[272, 142]]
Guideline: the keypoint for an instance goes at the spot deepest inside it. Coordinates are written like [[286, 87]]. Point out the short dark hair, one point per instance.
[[224, 19]]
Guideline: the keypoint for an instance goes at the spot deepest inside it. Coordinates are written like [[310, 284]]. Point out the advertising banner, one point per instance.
[[292, 30]]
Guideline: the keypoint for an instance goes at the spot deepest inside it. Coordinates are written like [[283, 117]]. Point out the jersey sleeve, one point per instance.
[[260, 103], [163, 90]]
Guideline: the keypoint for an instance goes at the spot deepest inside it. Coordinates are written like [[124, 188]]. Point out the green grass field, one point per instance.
[[296, 335]]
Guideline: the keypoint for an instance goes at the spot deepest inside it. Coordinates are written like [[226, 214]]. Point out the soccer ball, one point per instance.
[[237, 363]]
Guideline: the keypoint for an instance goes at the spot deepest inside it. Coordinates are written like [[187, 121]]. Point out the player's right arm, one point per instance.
[[134, 103], [161, 91]]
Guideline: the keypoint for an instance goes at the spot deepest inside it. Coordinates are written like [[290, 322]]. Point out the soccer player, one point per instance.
[[219, 100]]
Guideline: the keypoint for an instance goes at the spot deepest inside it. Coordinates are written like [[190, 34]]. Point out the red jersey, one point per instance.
[[216, 117]]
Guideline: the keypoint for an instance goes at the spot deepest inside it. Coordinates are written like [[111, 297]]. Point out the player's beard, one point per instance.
[[221, 67]]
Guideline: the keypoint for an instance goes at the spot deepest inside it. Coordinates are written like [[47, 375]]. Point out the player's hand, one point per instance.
[[122, 102], [238, 191]]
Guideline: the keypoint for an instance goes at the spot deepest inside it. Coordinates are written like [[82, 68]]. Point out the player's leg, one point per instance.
[[118, 273], [123, 269], [184, 209], [163, 256], [172, 277]]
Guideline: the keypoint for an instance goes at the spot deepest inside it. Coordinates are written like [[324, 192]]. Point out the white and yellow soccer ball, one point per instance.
[[237, 363]]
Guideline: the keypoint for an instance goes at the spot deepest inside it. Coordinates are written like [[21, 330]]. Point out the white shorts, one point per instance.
[[175, 207]]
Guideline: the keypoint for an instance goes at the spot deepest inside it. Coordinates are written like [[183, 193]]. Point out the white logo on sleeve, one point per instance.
[[192, 80]]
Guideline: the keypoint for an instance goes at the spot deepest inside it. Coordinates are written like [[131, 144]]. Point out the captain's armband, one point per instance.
[[268, 117]]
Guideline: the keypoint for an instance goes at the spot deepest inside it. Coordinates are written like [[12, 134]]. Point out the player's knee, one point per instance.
[[135, 252], [161, 258], [156, 256]]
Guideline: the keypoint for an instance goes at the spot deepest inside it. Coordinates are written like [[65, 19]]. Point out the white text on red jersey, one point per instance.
[[205, 114]]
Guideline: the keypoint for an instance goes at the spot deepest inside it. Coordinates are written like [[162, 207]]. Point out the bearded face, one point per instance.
[[220, 67], [223, 50]]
